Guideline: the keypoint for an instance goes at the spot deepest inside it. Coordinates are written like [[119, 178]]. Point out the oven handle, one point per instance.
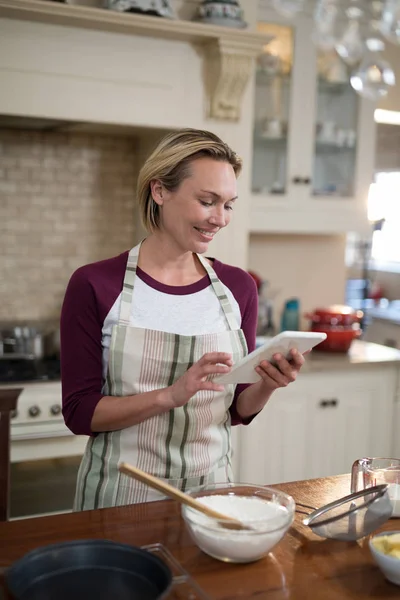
[[40, 436]]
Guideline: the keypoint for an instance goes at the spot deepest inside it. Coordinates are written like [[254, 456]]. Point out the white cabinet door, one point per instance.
[[319, 425], [320, 184], [274, 445], [350, 419]]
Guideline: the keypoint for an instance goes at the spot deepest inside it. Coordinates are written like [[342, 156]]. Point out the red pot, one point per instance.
[[336, 315], [340, 323]]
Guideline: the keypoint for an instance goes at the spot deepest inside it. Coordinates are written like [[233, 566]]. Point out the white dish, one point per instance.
[[243, 371], [389, 565]]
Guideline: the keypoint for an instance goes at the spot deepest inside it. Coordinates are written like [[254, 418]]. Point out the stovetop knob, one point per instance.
[[34, 411], [55, 410]]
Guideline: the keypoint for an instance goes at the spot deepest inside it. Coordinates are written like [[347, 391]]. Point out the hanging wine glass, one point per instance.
[[326, 24], [390, 21], [374, 76], [288, 8], [350, 46]]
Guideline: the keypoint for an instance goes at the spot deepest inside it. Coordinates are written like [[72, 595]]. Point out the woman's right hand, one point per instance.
[[196, 378]]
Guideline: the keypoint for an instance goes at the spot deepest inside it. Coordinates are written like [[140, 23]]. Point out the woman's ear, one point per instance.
[[157, 191]]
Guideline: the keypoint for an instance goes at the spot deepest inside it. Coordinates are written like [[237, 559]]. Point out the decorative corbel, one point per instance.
[[228, 66]]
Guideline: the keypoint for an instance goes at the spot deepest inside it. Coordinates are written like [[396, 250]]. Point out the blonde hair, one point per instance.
[[170, 164]]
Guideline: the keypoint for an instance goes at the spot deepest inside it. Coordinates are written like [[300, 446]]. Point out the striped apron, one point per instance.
[[189, 446]]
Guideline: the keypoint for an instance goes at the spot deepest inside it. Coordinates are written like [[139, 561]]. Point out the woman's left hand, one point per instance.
[[281, 372]]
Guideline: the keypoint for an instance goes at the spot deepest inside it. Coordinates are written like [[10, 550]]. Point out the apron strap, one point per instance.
[[129, 279], [127, 287], [220, 293]]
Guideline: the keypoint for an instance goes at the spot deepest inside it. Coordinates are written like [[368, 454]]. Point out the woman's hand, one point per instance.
[[197, 378], [281, 372]]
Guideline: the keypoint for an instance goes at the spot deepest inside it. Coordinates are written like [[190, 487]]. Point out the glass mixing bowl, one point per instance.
[[267, 512]]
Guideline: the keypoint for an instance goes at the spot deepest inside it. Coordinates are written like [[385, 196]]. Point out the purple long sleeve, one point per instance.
[[91, 292]]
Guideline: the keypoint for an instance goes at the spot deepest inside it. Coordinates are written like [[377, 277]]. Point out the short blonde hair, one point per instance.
[[170, 164]]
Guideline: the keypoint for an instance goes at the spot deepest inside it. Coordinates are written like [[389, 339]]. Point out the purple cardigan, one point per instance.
[[91, 292]]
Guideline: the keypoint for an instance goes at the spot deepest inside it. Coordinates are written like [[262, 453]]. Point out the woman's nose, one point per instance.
[[218, 216]]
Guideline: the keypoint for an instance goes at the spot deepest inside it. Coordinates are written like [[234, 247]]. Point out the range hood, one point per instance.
[[107, 48], [66, 67], [24, 123]]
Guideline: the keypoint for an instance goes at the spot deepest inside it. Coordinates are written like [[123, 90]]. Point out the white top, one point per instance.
[[188, 314]]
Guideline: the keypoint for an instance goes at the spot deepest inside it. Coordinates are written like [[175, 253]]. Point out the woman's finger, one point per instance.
[[216, 357], [268, 372], [214, 369], [297, 358], [286, 368], [212, 387]]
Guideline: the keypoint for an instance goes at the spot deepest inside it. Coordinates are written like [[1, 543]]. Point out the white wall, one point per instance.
[[311, 268]]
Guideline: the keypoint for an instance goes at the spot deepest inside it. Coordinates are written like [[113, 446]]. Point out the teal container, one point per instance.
[[290, 320]]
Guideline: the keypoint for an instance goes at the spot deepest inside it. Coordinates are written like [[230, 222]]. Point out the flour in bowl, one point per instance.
[[268, 520]]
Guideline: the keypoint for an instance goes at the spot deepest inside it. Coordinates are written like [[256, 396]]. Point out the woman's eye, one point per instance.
[[229, 207], [204, 203]]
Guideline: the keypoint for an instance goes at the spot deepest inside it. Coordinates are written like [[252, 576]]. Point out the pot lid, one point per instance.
[[338, 310]]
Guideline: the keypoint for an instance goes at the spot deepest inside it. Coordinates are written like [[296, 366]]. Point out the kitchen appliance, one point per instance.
[[373, 471], [27, 370], [45, 455], [340, 323]]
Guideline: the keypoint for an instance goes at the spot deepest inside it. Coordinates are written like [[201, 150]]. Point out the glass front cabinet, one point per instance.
[[313, 137]]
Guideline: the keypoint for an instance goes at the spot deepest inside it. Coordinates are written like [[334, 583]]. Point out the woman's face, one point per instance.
[[202, 205]]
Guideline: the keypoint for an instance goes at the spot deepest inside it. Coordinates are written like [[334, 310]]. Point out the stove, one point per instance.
[[38, 430], [26, 370]]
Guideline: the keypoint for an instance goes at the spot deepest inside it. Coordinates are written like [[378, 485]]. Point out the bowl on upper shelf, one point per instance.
[[268, 513]]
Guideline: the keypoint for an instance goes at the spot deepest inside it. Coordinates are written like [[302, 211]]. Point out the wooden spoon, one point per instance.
[[175, 494]]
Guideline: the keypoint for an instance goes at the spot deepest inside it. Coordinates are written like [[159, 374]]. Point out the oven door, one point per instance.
[[42, 487], [45, 455]]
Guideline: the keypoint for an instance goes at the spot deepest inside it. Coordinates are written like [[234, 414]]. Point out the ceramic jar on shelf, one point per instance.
[[157, 8], [227, 13]]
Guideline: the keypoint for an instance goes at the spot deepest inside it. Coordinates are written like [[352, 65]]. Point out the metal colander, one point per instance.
[[352, 517]]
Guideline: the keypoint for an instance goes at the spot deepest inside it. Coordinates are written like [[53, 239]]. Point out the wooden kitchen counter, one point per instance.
[[302, 566]]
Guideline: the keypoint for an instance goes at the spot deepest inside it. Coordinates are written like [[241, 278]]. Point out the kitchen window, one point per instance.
[[384, 203]]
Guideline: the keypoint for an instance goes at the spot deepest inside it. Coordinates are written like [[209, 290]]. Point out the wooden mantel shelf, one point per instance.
[[87, 17], [229, 53]]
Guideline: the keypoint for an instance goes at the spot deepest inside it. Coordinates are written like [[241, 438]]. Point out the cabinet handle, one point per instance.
[[329, 403], [301, 180]]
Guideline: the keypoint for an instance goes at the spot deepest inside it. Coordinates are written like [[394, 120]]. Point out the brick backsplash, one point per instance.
[[66, 199]]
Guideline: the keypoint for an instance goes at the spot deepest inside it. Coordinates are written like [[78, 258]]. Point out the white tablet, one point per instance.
[[243, 371]]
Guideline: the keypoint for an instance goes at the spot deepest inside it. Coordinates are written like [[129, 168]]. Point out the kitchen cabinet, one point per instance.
[[313, 137], [320, 424]]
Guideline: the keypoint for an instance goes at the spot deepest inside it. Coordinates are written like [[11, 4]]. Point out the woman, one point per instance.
[[143, 334]]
